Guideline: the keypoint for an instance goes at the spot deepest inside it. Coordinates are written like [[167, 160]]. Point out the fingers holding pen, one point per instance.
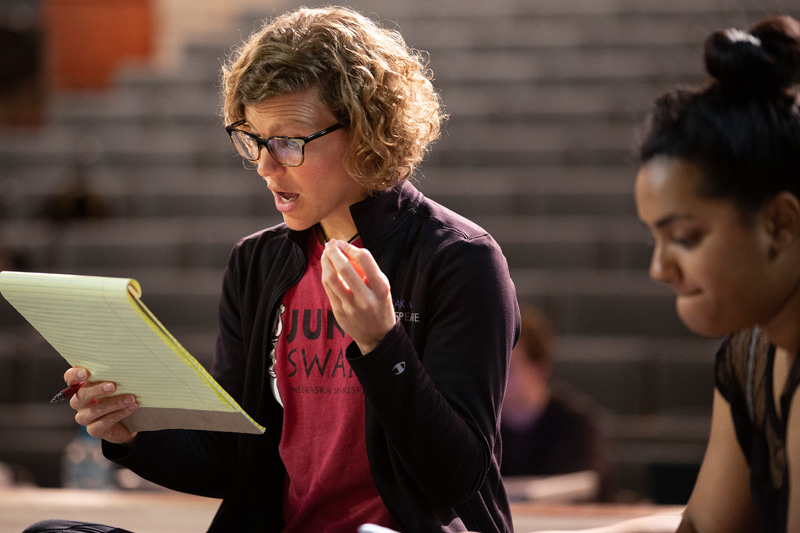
[[338, 273], [351, 277], [355, 269], [84, 393], [92, 394], [359, 293], [75, 375], [95, 400]]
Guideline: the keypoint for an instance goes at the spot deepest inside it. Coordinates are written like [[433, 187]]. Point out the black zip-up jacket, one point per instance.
[[434, 385]]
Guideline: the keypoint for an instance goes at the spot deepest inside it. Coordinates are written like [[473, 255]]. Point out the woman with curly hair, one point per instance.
[[370, 332]]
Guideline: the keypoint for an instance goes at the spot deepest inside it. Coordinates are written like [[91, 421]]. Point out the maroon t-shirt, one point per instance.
[[329, 486]]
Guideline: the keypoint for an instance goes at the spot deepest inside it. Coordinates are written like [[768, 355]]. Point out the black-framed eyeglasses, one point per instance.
[[286, 151]]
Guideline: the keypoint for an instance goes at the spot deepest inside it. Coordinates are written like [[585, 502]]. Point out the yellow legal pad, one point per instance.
[[100, 323]]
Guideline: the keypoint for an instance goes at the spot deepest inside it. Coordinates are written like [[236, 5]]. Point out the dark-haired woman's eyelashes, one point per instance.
[[688, 240]]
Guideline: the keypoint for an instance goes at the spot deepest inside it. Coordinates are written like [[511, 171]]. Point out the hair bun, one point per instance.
[[737, 60], [765, 60]]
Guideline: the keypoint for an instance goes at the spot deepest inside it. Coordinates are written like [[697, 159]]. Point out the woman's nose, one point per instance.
[[662, 265], [266, 165]]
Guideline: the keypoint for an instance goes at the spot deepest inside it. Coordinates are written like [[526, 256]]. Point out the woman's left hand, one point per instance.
[[359, 293]]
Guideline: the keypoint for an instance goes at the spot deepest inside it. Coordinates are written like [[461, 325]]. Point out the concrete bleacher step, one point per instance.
[[120, 145], [617, 100], [690, 11], [567, 63], [158, 192], [38, 177], [133, 243], [591, 242], [216, 200], [156, 102], [579, 242], [657, 456], [600, 302], [485, 142], [691, 428], [640, 374], [467, 141], [164, 100], [588, 242], [542, 30], [155, 190], [573, 8]]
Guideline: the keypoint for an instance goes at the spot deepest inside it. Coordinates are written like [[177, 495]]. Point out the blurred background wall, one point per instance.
[[114, 161]]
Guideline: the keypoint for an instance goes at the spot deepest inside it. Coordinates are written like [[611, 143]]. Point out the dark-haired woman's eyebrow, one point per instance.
[[669, 219]]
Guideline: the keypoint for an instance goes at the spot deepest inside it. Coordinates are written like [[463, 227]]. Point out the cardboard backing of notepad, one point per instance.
[[154, 418]]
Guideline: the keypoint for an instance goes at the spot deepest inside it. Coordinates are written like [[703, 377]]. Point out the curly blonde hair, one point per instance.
[[374, 85]]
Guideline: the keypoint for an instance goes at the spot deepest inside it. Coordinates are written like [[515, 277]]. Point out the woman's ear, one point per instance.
[[783, 220]]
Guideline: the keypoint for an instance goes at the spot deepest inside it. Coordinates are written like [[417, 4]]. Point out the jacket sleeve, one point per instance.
[[182, 460], [439, 405]]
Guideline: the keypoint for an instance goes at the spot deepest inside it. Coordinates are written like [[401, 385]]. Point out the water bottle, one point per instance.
[[83, 465]]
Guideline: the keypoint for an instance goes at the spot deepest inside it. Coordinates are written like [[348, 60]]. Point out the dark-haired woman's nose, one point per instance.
[[663, 267]]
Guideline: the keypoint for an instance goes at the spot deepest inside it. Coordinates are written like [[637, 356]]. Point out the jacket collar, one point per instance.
[[377, 216]]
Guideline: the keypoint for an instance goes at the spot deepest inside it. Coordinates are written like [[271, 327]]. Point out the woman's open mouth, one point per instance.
[[284, 201]]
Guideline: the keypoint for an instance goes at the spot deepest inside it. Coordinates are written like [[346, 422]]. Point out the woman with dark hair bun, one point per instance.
[[719, 189]]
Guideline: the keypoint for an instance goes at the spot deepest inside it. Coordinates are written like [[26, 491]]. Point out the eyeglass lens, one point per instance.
[[284, 151]]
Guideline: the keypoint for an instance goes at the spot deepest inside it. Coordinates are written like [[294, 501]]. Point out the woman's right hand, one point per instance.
[[98, 410]]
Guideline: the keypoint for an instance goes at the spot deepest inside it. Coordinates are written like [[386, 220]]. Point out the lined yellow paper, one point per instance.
[[100, 323]]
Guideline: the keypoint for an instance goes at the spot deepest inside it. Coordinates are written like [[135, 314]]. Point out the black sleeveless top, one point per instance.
[[744, 368]]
